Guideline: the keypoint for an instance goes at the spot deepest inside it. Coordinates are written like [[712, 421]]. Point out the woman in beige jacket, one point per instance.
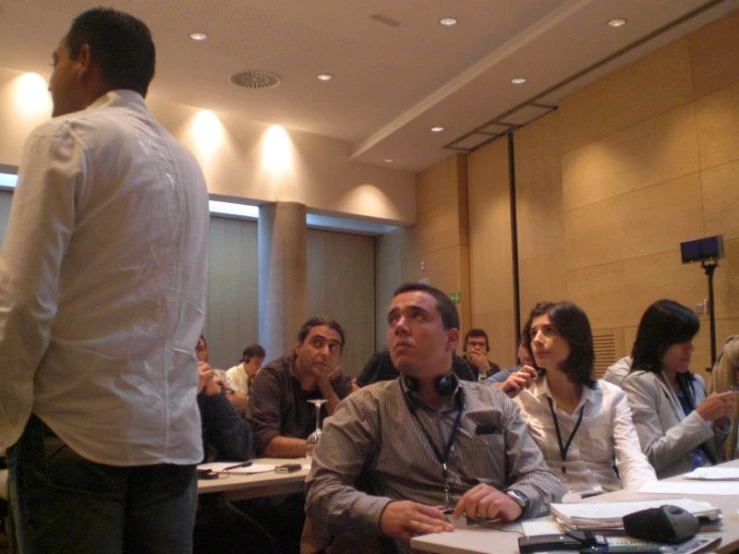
[[723, 376]]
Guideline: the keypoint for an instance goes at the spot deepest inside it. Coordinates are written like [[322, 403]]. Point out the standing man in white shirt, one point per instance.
[[102, 298]]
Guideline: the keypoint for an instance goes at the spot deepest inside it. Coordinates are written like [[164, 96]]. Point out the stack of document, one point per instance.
[[714, 474], [609, 515]]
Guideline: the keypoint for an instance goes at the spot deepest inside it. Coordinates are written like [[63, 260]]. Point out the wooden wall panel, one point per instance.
[[639, 91], [659, 149], [438, 242], [543, 277], [635, 224], [721, 200], [341, 285], [541, 229], [491, 274], [616, 294], [718, 127], [714, 55], [539, 188]]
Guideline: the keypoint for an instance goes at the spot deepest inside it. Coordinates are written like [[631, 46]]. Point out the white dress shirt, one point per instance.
[[605, 435], [238, 378], [102, 287]]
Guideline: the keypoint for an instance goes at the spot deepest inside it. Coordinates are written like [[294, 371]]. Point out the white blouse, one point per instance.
[[606, 435]]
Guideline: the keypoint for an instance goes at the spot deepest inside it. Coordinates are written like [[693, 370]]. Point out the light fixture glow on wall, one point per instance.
[[277, 155], [437, 129], [32, 94], [518, 80], [198, 36], [325, 77], [448, 21], [617, 22]]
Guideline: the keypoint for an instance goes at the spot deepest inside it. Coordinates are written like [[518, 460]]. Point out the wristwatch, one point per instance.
[[519, 498]]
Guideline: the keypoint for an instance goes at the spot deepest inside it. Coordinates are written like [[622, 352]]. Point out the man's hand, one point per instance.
[[487, 502], [479, 360], [405, 519], [518, 381], [207, 382], [239, 400]]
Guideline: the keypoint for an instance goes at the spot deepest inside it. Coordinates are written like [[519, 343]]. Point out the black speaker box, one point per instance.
[[709, 248], [664, 524]]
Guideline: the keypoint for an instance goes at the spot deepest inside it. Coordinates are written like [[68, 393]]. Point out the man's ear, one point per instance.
[[297, 347], [452, 339], [84, 60]]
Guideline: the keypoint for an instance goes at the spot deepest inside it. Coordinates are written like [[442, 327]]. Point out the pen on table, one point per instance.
[[242, 464]]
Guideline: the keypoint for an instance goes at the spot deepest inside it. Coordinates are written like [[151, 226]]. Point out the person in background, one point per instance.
[[724, 377], [380, 368], [514, 379], [583, 426], [281, 416], [616, 372], [476, 348], [425, 442], [236, 397], [102, 295], [221, 528], [679, 427], [242, 375]]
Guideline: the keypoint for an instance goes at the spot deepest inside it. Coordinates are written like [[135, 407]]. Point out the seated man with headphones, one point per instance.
[[429, 444]]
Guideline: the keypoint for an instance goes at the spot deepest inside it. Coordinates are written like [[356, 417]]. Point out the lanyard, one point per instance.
[[564, 448], [447, 448]]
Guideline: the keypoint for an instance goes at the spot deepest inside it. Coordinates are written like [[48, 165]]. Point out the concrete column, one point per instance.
[[283, 275]]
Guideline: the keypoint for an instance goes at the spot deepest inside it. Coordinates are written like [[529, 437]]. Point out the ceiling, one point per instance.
[[397, 71]]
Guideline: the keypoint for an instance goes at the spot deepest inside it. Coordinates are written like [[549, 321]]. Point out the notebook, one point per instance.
[[609, 515]]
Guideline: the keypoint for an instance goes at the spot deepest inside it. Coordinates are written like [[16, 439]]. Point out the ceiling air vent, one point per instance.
[[255, 78]]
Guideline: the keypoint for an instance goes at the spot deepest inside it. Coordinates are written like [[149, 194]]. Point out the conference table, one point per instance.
[[238, 486], [503, 539]]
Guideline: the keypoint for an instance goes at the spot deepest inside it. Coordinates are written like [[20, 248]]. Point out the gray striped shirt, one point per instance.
[[373, 433]]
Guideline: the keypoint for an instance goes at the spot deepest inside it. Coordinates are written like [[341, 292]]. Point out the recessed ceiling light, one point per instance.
[[617, 22], [518, 81], [198, 36], [448, 21], [389, 160], [325, 77], [437, 129]]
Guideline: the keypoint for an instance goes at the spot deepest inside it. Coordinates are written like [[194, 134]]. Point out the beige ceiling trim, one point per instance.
[[473, 72]]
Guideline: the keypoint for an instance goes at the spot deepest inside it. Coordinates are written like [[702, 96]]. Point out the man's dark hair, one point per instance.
[[573, 325], [449, 315], [472, 333], [663, 324], [120, 45], [318, 321], [253, 351]]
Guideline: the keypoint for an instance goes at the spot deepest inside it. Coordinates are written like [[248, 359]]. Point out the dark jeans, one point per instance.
[[62, 503]]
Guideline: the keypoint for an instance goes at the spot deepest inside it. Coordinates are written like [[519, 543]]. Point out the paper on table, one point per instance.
[[534, 527], [217, 467], [714, 474], [725, 488]]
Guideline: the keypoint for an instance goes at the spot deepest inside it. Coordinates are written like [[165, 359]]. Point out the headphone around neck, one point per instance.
[[443, 384]]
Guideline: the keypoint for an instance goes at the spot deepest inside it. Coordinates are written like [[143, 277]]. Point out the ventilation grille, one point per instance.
[[605, 352], [255, 78]]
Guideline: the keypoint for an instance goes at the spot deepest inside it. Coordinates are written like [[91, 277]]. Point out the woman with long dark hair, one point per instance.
[[679, 428], [581, 425]]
